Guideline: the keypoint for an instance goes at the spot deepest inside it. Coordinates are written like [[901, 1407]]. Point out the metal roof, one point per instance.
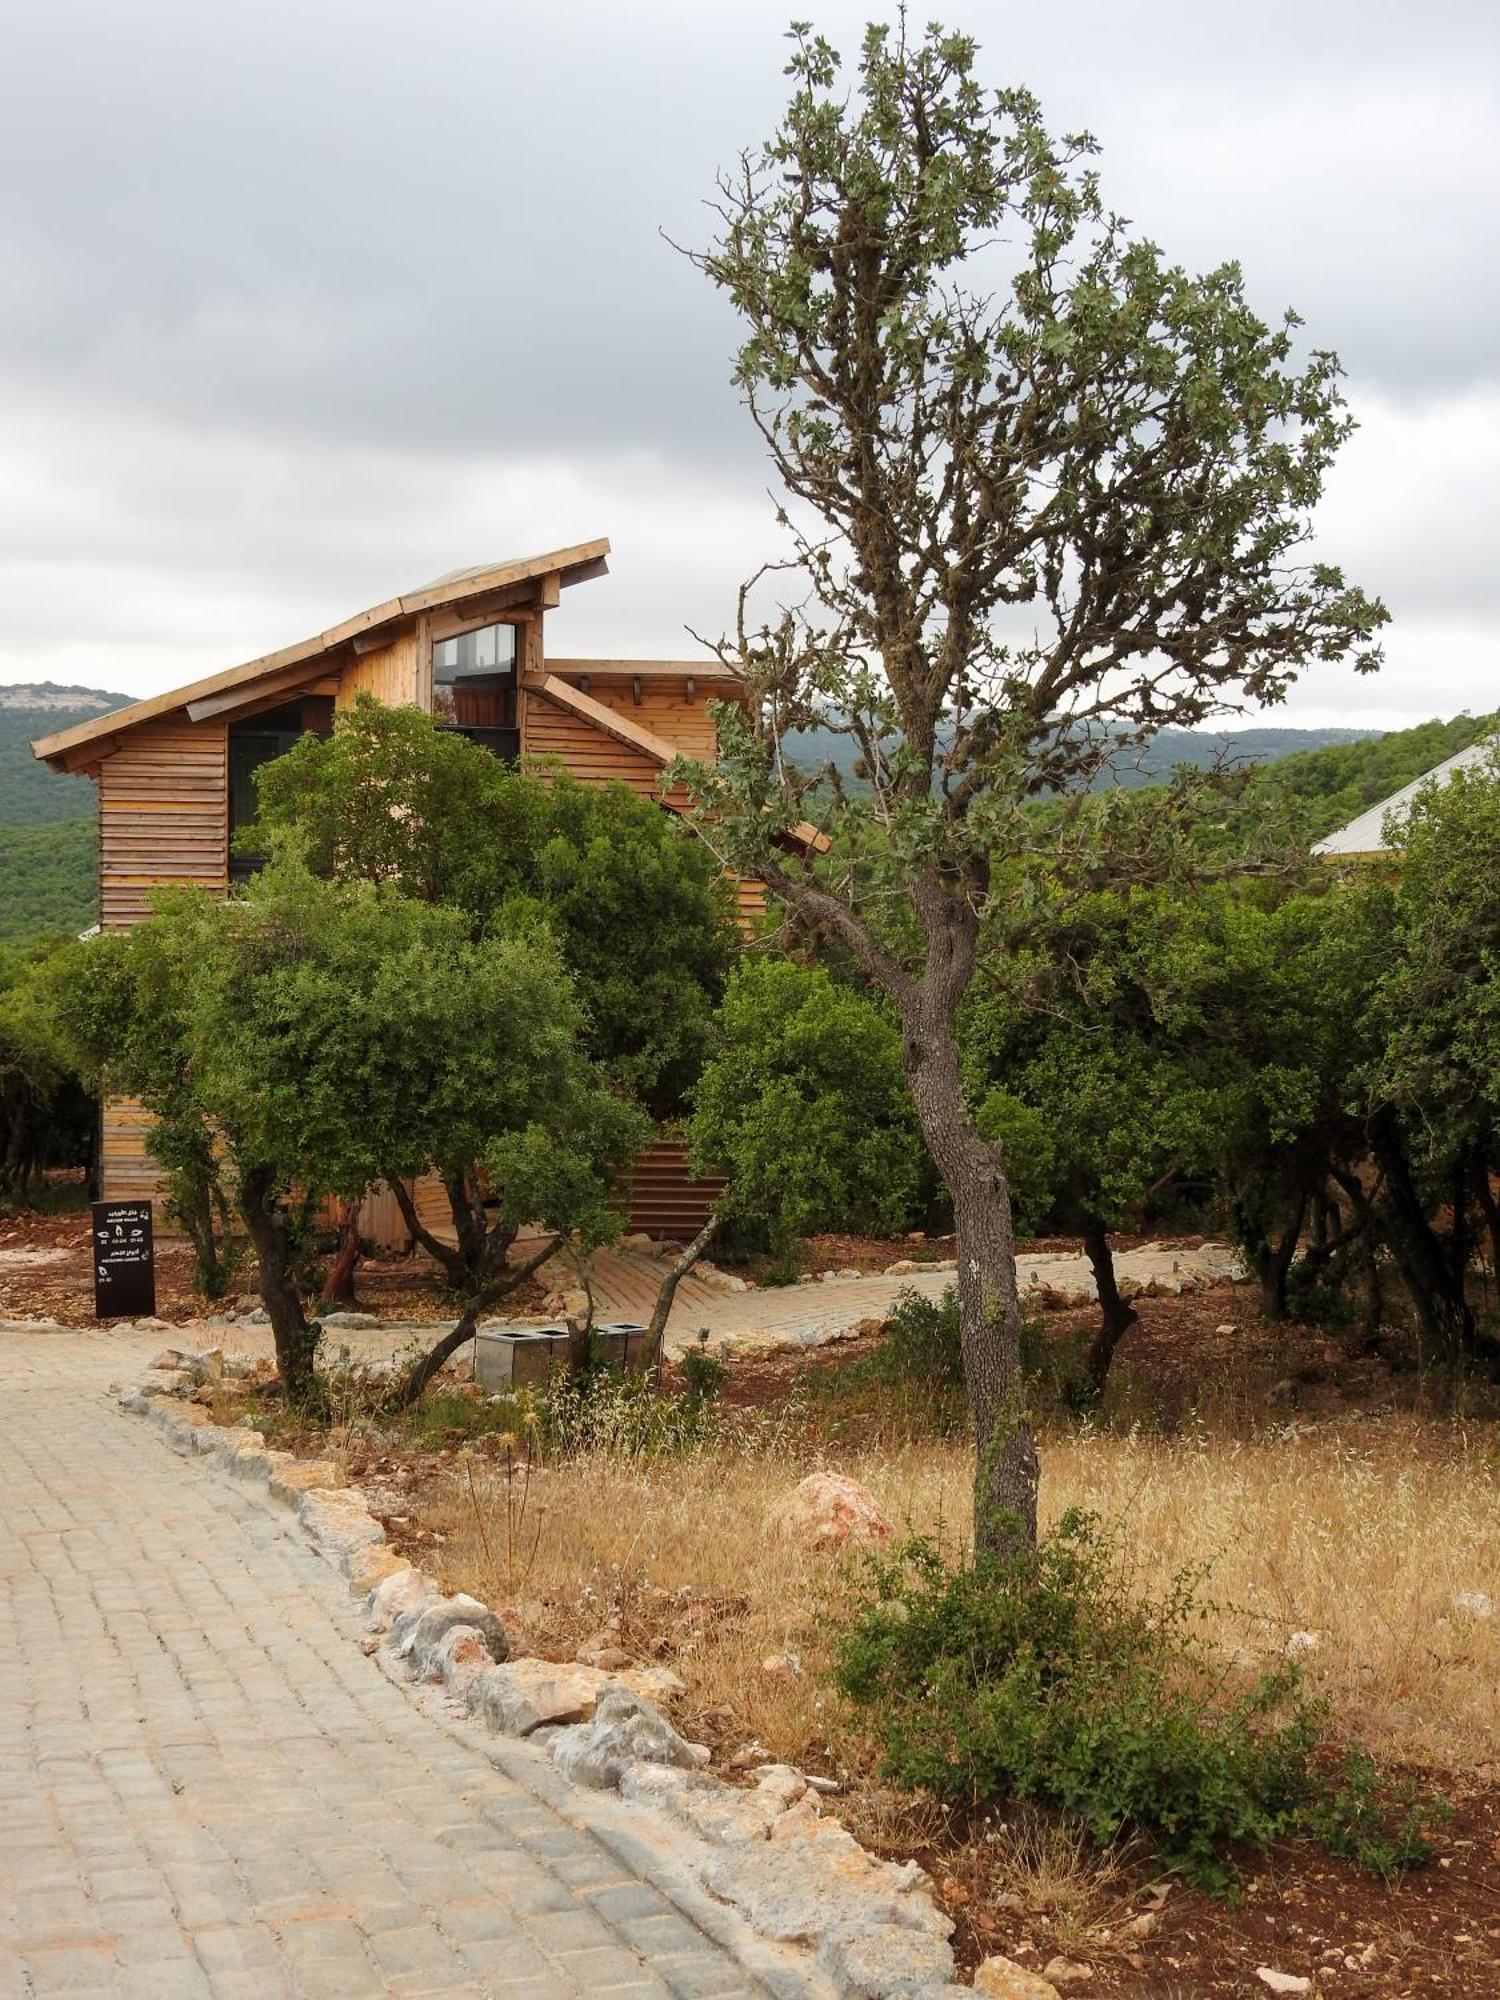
[[1366, 834]]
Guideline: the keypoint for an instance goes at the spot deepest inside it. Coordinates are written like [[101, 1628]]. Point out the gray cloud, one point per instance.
[[303, 303]]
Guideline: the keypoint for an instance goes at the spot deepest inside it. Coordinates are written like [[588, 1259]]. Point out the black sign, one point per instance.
[[124, 1260]]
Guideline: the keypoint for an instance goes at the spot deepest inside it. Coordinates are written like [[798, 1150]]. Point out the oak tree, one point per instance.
[[1044, 491]]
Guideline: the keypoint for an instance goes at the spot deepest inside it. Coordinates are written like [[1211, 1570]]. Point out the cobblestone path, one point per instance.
[[207, 1789]]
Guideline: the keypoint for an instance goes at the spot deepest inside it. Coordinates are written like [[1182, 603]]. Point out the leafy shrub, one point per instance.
[[920, 1349], [1042, 1677], [805, 1107], [703, 1375], [920, 1343]]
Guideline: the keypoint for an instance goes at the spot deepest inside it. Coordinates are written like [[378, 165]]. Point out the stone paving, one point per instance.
[[207, 1789]]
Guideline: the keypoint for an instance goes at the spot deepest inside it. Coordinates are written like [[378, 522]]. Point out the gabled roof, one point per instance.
[[1364, 838], [570, 565]]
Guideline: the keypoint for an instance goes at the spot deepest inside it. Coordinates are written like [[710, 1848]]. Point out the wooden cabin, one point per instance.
[[176, 772]]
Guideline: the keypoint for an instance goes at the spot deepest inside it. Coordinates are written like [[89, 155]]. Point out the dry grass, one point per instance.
[[1363, 1538]]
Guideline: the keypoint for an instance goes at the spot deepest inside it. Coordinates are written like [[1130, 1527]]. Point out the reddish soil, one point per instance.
[[1434, 1931], [406, 1287]]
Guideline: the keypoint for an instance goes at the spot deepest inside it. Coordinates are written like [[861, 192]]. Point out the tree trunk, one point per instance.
[[296, 1340], [448, 1260], [664, 1297], [1489, 1209], [1006, 1472], [421, 1372], [1115, 1313], [338, 1287], [1423, 1260], [1279, 1267]]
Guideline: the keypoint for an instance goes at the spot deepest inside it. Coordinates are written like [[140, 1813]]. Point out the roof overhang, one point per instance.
[[530, 577]]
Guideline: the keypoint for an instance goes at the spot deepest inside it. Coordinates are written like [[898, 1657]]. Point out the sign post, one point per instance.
[[124, 1260]]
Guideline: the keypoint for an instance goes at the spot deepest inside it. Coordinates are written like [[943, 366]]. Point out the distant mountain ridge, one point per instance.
[[812, 749], [49, 696], [48, 820]]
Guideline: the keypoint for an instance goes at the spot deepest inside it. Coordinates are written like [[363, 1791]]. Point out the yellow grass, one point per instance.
[[1363, 1538]]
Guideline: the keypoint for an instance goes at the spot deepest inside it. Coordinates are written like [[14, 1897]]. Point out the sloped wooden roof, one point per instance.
[[570, 565]]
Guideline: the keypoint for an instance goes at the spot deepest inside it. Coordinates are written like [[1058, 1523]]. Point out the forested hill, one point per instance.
[[1343, 770], [47, 822], [47, 832], [812, 749], [1345, 779]]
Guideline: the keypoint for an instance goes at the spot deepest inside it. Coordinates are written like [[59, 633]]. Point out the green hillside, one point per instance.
[[1345, 779], [47, 821], [47, 880]]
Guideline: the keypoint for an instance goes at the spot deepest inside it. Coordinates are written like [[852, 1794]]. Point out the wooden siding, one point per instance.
[[664, 709], [587, 752], [749, 901], [163, 816], [392, 673], [126, 1171]]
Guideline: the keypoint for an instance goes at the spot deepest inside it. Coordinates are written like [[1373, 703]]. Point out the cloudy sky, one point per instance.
[[304, 301]]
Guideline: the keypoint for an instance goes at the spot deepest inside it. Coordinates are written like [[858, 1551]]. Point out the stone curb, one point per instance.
[[761, 1871]]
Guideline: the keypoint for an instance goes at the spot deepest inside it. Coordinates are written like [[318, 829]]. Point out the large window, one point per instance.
[[256, 742], [474, 687]]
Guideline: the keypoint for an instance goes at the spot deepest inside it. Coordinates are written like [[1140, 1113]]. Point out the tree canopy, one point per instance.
[[1044, 492], [636, 906]]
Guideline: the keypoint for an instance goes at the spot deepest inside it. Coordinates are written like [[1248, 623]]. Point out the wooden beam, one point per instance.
[[374, 639], [513, 606], [651, 670], [260, 693], [621, 727]]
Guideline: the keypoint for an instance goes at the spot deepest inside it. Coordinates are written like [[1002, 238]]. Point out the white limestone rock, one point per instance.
[[417, 1635], [625, 1730], [404, 1590]]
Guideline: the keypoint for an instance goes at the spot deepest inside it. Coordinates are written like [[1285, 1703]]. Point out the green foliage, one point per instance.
[[323, 1035], [703, 1375], [1041, 1676], [635, 904], [919, 1344], [50, 879], [805, 1107], [1440, 992], [48, 820], [46, 1113], [1343, 780], [30, 793]]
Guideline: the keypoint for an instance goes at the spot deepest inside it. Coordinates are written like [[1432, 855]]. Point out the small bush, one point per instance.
[[703, 1375], [1041, 1677], [615, 1415], [920, 1343], [920, 1349]]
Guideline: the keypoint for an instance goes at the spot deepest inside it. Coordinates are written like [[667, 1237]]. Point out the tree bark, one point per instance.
[[1424, 1261], [296, 1339], [338, 1288], [664, 1297], [1116, 1314], [449, 1260], [421, 1372], [1006, 1472]]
